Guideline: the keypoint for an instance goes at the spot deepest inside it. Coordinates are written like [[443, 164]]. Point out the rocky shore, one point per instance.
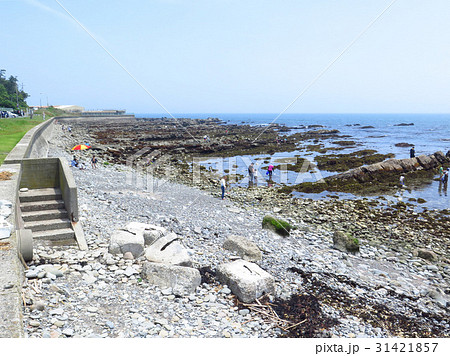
[[398, 284]]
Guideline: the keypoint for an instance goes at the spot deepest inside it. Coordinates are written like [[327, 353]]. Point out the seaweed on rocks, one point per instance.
[[344, 162], [305, 312], [208, 275], [300, 316], [412, 322]]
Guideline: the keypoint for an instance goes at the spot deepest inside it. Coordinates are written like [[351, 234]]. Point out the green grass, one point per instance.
[[11, 131]]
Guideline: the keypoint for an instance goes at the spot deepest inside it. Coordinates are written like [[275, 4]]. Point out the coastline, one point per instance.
[[384, 273]]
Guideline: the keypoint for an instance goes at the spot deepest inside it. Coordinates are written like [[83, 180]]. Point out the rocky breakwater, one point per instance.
[[378, 177]]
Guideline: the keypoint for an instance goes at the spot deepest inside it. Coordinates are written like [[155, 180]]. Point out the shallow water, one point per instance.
[[429, 133]]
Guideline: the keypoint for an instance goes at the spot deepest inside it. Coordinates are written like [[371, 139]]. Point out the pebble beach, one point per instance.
[[93, 293]]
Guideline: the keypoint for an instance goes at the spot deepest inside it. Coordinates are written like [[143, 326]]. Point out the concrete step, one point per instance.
[[44, 225], [44, 215], [40, 195], [54, 235], [42, 205]]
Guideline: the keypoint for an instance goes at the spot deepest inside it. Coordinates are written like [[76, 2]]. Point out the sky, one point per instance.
[[231, 56]]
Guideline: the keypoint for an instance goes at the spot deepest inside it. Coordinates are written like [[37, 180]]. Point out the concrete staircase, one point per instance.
[[43, 212]]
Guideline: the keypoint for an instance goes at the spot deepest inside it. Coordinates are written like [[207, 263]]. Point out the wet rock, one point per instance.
[[345, 242]]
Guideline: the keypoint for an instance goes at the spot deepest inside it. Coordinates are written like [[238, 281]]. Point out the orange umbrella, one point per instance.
[[80, 147]]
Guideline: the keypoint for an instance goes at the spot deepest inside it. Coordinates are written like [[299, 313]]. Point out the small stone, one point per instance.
[[35, 323], [432, 268], [163, 333], [68, 332], [128, 256], [89, 278], [58, 311], [30, 274], [50, 275], [38, 305], [244, 312], [54, 334], [59, 323], [109, 324], [225, 290], [226, 334], [129, 271], [92, 309]]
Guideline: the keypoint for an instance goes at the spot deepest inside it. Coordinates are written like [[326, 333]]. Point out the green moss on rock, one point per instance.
[[279, 226]]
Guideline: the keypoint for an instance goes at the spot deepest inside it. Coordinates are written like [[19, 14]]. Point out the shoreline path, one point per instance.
[[101, 295]]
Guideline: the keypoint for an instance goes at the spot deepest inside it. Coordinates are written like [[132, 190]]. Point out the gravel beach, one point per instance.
[[374, 293]]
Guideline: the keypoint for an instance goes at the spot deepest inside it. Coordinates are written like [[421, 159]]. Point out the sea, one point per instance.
[[429, 133]]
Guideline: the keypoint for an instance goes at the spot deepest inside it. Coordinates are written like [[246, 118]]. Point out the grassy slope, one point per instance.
[[13, 129]]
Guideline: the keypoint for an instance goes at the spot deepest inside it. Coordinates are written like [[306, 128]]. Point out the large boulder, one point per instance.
[[426, 162], [169, 250], [246, 280], [245, 248], [373, 169], [439, 157], [392, 165], [124, 241], [182, 280], [345, 242], [409, 164], [150, 232]]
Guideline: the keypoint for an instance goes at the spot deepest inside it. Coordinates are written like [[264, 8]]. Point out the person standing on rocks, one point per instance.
[[94, 162], [412, 152], [445, 176], [402, 181], [223, 185], [270, 171], [251, 173]]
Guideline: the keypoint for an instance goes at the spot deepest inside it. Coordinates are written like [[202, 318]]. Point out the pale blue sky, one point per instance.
[[213, 56]]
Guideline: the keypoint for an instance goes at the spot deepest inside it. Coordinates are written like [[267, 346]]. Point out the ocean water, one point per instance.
[[428, 133]]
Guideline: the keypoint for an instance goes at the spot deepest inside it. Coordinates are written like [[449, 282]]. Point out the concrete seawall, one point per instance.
[[29, 166]]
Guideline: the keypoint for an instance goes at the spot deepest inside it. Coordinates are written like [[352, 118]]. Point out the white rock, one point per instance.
[[168, 250], [124, 241], [181, 280], [246, 280], [150, 232]]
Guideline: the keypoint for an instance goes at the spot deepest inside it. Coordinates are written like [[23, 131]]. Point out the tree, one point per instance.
[[10, 95]]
